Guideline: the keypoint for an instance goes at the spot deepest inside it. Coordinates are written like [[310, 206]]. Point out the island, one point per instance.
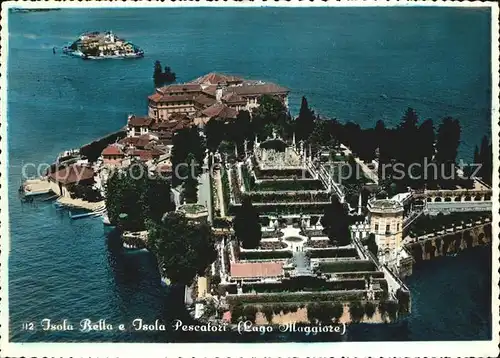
[[97, 45], [271, 219]]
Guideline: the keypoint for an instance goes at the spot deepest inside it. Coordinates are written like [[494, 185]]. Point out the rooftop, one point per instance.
[[220, 110], [385, 204], [214, 78], [256, 269], [112, 150], [72, 174]]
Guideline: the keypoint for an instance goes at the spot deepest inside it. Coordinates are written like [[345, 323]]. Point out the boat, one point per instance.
[[97, 46], [105, 219]]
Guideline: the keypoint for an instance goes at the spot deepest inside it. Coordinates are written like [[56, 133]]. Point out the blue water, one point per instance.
[[435, 60]]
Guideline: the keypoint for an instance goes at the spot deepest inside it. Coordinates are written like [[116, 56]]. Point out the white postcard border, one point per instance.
[[423, 348]]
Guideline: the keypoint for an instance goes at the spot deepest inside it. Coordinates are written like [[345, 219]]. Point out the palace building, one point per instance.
[[212, 93]]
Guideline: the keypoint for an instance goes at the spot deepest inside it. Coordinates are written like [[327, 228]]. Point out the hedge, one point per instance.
[[347, 266], [265, 255], [297, 297], [325, 253], [288, 185]]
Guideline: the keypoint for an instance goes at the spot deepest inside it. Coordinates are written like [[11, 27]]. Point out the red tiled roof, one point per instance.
[[138, 142], [220, 110], [165, 168], [233, 98], [178, 116], [146, 154], [182, 87], [204, 100], [256, 269], [112, 150], [72, 174], [140, 121], [175, 98], [210, 90], [258, 88], [215, 78]]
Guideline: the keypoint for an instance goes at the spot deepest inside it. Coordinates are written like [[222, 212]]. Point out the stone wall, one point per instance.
[[451, 243]]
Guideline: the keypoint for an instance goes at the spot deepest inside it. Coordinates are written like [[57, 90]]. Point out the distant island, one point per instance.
[[96, 45]]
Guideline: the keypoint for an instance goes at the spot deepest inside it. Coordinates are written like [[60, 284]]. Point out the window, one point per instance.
[[376, 227], [397, 228]]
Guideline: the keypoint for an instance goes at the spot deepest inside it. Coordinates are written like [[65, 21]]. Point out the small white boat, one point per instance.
[[105, 219]]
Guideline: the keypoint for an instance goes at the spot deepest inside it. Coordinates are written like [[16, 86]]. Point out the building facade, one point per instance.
[[386, 222]]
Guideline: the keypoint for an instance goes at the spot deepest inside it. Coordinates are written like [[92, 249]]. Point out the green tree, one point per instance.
[[267, 311], [158, 199], [183, 249], [168, 76], [371, 244], [426, 139], [134, 193], [336, 223], [369, 309], [448, 140], [392, 310], [356, 311], [485, 157], [250, 313], [270, 115], [337, 311], [237, 312], [214, 134], [158, 74], [304, 123], [186, 141], [312, 312], [191, 181], [247, 225]]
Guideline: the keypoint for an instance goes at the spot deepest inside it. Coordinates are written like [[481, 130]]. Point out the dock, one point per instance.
[[80, 204], [33, 187]]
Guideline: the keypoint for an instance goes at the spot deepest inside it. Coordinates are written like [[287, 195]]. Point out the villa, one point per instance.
[[209, 95]]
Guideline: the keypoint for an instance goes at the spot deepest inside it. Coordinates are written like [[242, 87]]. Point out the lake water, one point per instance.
[[353, 64]]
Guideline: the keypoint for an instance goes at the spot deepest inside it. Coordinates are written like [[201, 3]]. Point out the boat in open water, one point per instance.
[[97, 46]]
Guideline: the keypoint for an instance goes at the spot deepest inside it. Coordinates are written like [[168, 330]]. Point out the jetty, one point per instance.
[[33, 187]]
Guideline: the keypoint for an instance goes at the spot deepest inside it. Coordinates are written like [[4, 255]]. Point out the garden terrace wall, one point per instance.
[[347, 266], [332, 253], [312, 285], [360, 274], [342, 296], [265, 255], [289, 185], [300, 173], [277, 209], [272, 245], [307, 196], [428, 224], [318, 244]]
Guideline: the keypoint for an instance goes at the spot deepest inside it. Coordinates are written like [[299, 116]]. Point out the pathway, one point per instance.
[[204, 193], [218, 183]]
